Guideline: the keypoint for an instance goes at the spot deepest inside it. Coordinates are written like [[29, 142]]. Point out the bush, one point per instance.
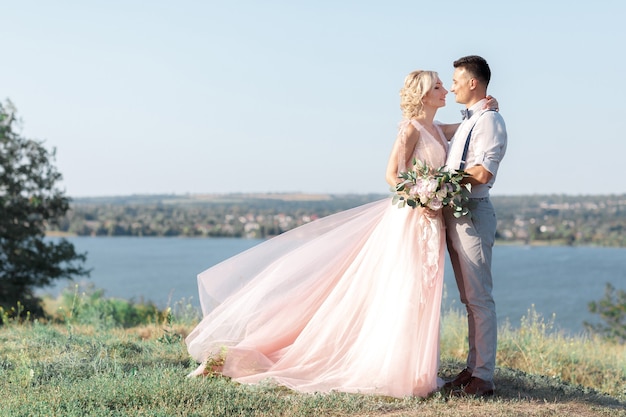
[[88, 306], [612, 310]]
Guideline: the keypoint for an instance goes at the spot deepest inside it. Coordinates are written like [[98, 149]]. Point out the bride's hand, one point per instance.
[[492, 104]]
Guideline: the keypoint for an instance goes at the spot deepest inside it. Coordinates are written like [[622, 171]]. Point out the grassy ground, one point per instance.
[[94, 367]]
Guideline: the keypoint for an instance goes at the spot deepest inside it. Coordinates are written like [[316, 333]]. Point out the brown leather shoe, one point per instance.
[[463, 378], [478, 388]]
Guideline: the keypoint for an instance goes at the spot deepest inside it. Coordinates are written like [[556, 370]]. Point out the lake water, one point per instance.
[[556, 280]]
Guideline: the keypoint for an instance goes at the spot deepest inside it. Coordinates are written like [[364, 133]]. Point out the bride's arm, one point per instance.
[[391, 175], [449, 129], [403, 146]]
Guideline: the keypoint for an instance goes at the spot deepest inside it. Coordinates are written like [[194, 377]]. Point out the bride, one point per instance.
[[349, 302]]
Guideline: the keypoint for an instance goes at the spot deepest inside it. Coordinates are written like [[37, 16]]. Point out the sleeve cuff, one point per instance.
[[489, 164]]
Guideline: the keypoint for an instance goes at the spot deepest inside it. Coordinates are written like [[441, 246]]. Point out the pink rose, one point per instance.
[[435, 204]]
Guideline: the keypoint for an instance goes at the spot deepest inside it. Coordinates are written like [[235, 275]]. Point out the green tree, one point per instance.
[[30, 200], [612, 311]]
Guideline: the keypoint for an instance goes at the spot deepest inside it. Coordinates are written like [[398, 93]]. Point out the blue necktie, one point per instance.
[[466, 114]]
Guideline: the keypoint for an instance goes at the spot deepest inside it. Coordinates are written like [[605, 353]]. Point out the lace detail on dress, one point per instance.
[[428, 149], [429, 244], [433, 152]]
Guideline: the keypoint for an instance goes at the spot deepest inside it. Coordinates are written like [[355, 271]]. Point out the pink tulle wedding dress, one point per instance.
[[349, 302]]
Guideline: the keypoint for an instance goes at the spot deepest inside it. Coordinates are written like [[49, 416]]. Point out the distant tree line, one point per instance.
[[561, 219], [550, 219], [234, 215]]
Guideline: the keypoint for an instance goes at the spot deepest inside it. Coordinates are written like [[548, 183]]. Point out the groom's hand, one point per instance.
[[492, 103]]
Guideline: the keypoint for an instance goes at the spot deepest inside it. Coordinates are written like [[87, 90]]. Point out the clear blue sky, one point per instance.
[[144, 97]]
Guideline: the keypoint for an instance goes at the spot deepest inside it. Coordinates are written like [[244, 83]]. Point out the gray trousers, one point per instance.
[[470, 243]]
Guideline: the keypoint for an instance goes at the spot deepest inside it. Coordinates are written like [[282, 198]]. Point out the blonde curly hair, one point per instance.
[[416, 85]]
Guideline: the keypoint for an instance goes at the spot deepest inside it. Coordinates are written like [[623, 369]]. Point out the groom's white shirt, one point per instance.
[[487, 144]]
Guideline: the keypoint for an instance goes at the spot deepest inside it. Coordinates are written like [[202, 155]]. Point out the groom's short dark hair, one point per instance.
[[475, 65]]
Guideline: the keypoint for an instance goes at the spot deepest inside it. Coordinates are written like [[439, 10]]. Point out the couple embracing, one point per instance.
[[351, 302]]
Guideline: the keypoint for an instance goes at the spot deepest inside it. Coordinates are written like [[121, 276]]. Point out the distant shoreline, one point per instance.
[[57, 234], [549, 220]]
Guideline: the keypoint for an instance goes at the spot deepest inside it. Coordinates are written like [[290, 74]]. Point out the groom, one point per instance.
[[478, 146]]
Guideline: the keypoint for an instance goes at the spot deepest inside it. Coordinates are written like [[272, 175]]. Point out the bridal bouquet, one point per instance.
[[433, 188]]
